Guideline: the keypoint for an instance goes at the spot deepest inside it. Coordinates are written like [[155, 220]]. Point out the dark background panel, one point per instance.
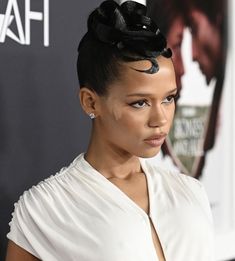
[[42, 127]]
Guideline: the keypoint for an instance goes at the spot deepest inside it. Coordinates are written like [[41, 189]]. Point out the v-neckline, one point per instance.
[[84, 164], [96, 174]]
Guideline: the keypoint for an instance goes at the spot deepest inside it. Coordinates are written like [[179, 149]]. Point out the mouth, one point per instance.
[[156, 141]]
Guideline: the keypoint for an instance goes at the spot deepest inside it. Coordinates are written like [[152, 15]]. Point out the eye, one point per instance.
[[169, 99], [193, 28], [177, 47], [139, 104]]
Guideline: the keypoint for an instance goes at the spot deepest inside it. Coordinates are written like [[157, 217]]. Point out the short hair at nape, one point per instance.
[[116, 34]]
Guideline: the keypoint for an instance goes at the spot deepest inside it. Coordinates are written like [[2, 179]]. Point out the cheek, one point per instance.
[[116, 113], [197, 41], [202, 39], [177, 62], [122, 120], [131, 123], [171, 113], [172, 118]]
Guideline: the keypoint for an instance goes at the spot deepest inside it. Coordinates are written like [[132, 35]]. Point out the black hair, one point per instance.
[[117, 34]]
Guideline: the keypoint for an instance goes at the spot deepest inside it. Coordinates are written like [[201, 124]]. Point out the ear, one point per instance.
[[89, 101]]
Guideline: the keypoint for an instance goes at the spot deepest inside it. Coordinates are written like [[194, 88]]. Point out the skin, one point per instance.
[[174, 40], [206, 43], [124, 120], [15, 252], [137, 107], [121, 125]]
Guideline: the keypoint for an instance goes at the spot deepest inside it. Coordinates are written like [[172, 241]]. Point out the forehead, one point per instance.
[[176, 30], [197, 16], [132, 80]]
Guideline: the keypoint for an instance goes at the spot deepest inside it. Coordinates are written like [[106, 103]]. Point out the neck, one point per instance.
[[111, 161]]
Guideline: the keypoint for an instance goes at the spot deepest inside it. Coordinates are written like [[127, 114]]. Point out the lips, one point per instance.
[[156, 140]]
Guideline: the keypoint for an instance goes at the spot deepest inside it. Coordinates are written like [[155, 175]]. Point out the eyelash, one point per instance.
[[138, 102], [170, 99]]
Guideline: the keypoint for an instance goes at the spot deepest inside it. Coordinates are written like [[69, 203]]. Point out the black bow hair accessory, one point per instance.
[[130, 30]]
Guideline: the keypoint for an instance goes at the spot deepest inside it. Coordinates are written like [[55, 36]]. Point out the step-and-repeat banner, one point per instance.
[[42, 127]]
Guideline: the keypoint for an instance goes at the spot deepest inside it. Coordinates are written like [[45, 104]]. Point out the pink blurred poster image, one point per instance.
[[201, 137]]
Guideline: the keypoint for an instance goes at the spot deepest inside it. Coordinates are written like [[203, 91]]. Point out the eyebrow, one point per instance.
[[149, 94]]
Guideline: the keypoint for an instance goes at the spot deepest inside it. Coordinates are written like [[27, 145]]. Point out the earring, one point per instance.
[[92, 115]]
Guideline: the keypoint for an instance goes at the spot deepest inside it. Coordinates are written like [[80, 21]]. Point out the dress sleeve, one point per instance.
[[205, 202], [202, 197], [23, 229], [199, 195]]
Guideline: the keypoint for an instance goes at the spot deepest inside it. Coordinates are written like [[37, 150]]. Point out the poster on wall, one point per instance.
[[200, 141]]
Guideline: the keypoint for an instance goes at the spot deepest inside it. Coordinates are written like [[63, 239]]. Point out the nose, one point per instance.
[[180, 67], [179, 71], [194, 50], [157, 117]]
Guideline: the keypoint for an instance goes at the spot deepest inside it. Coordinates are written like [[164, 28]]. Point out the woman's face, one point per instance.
[[136, 114]]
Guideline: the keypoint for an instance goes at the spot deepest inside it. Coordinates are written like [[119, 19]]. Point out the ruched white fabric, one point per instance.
[[79, 215]]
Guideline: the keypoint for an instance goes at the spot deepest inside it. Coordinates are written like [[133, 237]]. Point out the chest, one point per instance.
[[110, 219], [137, 190]]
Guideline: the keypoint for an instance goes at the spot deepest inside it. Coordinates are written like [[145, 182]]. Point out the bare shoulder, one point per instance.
[[15, 252]]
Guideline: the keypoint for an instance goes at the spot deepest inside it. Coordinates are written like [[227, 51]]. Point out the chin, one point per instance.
[[149, 154], [209, 77], [208, 80]]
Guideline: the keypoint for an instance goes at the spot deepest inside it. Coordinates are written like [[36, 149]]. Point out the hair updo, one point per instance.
[[116, 34]]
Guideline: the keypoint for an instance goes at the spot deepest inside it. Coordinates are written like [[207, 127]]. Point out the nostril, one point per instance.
[[157, 123]]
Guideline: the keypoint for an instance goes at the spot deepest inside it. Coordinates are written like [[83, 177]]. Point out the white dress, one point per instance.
[[79, 215]]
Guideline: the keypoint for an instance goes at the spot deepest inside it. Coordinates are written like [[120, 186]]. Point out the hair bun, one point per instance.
[[127, 28]]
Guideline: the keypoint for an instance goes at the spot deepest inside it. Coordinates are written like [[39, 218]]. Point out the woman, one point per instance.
[[110, 204]]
